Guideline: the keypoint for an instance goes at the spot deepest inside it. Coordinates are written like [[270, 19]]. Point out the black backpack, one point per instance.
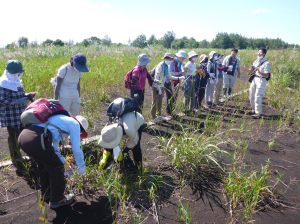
[[121, 106]]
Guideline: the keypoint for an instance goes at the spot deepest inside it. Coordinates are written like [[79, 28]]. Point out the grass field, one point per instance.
[[214, 158]]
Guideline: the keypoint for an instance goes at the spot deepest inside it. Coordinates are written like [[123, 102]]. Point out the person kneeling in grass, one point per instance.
[[130, 125]]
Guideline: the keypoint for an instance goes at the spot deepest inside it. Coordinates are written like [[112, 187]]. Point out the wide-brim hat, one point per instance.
[[181, 54], [110, 136], [202, 57], [84, 124], [192, 54], [143, 59], [79, 61], [169, 56], [211, 54]]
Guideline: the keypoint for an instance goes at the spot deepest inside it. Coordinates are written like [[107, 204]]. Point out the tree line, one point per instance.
[[169, 40]]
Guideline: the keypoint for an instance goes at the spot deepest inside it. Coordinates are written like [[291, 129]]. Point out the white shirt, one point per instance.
[[71, 127], [132, 122], [71, 78], [190, 69]]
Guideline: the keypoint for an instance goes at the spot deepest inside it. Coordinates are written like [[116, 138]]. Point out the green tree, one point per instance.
[[222, 40], [106, 41], [47, 42], [167, 39], [23, 42], [140, 41], [58, 42], [204, 44], [152, 40]]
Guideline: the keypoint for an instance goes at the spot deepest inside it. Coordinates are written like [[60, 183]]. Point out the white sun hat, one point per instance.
[[192, 54], [110, 136], [211, 54]]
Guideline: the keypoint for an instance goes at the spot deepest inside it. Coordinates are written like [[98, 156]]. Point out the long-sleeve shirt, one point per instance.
[[68, 126], [132, 122], [161, 74], [176, 68], [139, 77], [190, 69]]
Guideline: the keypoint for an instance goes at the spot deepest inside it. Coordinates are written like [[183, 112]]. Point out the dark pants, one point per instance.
[[200, 97], [14, 148], [137, 151], [140, 98], [170, 98], [51, 169]]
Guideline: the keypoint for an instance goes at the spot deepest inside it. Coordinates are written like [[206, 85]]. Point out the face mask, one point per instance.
[[193, 60], [168, 62], [260, 57], [216, 58]]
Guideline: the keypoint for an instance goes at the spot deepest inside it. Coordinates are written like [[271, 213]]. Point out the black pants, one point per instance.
[[140, 98], [137, 151], [51, 169], [200, 97], [170, 98], [14, 148]]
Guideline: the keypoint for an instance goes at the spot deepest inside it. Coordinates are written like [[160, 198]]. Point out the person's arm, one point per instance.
[[78, 87], [265, 70], [57, 87], [135, 78], [6, 100], [74, 132]]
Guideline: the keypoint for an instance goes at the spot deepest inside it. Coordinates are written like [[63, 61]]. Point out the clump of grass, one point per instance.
[[248, 190]]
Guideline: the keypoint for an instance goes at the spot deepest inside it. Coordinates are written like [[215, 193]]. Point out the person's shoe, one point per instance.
[[158, 120], [67, 200], [252, 112], [256, 116]]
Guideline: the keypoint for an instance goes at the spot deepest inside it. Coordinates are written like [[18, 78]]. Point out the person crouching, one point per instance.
[[131, 125]]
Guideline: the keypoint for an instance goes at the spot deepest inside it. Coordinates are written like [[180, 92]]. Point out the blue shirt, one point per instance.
[[71, 127]]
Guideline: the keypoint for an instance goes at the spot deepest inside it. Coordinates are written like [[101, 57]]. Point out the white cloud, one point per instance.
[[262, 11]]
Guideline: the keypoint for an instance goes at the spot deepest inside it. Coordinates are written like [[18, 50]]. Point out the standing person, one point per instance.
[[132, 125], [161, 84], [219, 79], [139, 76], [176, 70], [48, 157], [212, 71], [13, 101], [262, 71], [190, 82], [231, 71], [204, 76], [67, 87]]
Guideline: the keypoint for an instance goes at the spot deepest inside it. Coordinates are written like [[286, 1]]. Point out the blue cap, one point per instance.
[[143, 59], [14, 67], [79, 61]]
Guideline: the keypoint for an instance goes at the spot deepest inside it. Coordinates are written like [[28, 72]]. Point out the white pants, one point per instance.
[[209, 90], [256, 93], [218, 90], [229, 81], [72, 105]]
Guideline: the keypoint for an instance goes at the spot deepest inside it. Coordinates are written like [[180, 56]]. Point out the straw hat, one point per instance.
[[192, 54]]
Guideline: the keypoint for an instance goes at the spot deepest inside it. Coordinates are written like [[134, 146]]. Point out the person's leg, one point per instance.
[[225, 85], [169, 96], [154, 103], [252, 91], [259, 94], [218, 89], [13, 146], [159, 104], [30, 141], [66, 103], [201, 95], [75, 106], [137, 151]]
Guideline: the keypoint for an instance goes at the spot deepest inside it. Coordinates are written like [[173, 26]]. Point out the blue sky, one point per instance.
[[125, 19]]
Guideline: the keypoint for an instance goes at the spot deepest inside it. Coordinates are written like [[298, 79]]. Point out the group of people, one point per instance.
[[202, 77]]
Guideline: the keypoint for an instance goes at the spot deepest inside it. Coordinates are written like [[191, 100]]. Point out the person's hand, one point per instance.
[[30, 96], [181, 78], [212, 75]]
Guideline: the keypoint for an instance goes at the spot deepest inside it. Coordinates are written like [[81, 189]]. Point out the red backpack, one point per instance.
[[40, 110], [128, 79]]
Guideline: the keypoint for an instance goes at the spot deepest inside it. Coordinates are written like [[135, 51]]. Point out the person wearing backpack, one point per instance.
[[138, 80], [161, 84], [176, 70], [262, 71], [131, 126], [212, 72], [13, 101], [67, 86], [189, 86], [41, 142], [231, 71]]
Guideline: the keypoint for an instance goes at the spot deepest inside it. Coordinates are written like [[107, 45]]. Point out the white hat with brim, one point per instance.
[[211, 54], [110, 136], [192, 54]]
